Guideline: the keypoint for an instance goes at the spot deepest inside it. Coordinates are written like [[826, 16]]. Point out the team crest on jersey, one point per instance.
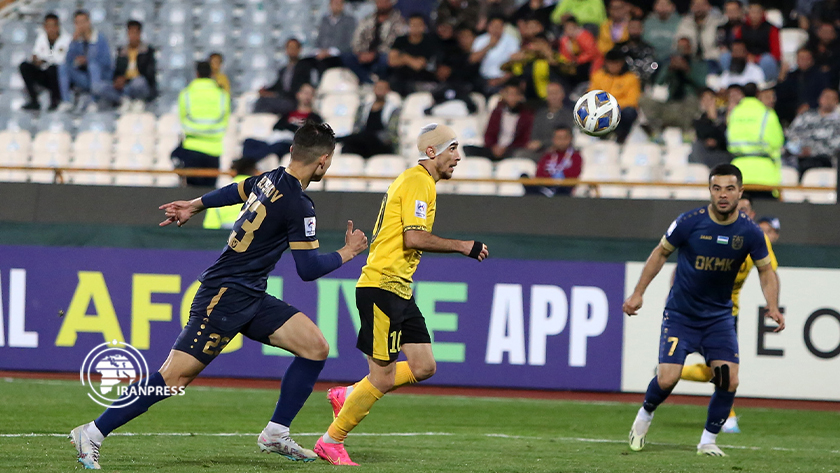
[[420, 209], [309, 226], [737, 242]]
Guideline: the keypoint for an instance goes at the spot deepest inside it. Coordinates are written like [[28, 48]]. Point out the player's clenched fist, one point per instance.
[[355, 242], [632, 304]]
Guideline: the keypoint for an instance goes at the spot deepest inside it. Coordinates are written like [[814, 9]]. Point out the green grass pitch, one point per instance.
[[439, 434]]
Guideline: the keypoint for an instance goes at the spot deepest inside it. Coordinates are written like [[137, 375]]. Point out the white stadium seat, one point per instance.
[[338, 106], [600, 153], [644, 155], [820, 177], [692, 173], [258, 126], [14, 151], [169, 126], [383, 165], [475, 168], [514, 168], [414, 105], [136, 124], [338, 80], [346, 165], [791, 39], [601, 172], [50, 149], [92, 149]]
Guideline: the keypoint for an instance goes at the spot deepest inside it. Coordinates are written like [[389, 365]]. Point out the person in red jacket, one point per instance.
[[762, 40], [509, 127], [562, 161], [579, 53]]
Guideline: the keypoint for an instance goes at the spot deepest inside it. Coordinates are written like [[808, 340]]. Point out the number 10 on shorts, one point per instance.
[[395, 341]]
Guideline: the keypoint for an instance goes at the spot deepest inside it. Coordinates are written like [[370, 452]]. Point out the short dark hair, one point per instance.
[[541, 36], [750, 89], [312, 141], [805, 49], [726, 170], [51, 16], [705, 90], [746, 196], [247, 166], [513, 82], [216, 54], [496, 17], [614, 54], [416, 15], [293, 39], [81, 12], [564, 128], [740, 5], [738, 41], [737, 87], [571, 19], [134, 24], [202, 69]]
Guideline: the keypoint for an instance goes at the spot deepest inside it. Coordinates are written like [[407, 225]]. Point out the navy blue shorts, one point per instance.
[[715, 340], [218, 314]]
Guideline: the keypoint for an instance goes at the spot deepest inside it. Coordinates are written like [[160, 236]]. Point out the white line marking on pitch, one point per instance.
[[413, 434]]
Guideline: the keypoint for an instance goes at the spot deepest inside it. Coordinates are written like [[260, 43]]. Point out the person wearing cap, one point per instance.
[[391, 322], [702, 372]]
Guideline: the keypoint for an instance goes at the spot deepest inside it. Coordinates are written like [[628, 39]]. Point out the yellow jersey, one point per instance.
[[746, 267], [409, 204]]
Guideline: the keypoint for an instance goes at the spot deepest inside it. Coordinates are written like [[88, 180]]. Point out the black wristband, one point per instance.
[[476, 249]]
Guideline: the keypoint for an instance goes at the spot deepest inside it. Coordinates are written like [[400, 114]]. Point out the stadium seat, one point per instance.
[[514, 168], [383, 165], [98, 121], [257, 125], [136, 124], [481, 103], [100, 11], [338, 106], [600, 172], [672, 136], [493, 102], [820, 177], [791, 40], [165, 180], [17, 33], [474, 168], [645, 155], [774, 17], [13, 100], [214, 38], [144, 12], [134, 152], [252, 80], [658, 192], [414, 104], [676, 156], [92, 149], [243, 104], [790, 176], [692, 173], [338, 80], [15, 147], [173, 82], [450, 109], [600, 153], [468, 129], [49, 149], [17, 121], [56, 121], [10, 79], [169, 127], [346, 165]]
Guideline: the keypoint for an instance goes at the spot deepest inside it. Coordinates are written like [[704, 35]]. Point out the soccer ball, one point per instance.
[[597, 113]]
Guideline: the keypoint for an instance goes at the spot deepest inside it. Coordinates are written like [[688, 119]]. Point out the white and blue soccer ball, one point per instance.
[[597, 113]]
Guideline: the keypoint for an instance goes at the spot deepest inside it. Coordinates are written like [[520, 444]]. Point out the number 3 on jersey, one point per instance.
[[249, 226]]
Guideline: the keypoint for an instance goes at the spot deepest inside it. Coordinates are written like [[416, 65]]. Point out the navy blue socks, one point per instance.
[[295, 389], [719, 407], [655, 395], [116, 417]]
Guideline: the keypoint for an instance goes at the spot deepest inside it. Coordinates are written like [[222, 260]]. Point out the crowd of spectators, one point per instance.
[[669, 63]]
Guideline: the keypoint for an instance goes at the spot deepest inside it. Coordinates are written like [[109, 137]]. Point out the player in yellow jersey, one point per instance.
[[700, 371], [391, 321]]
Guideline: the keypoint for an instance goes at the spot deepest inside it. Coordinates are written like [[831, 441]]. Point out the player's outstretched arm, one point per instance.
[[770, 287], [425, 241], [180, 211], [653, 265]]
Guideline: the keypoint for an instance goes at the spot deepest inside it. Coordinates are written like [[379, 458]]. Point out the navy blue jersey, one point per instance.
[[710, 254], [276, 215]]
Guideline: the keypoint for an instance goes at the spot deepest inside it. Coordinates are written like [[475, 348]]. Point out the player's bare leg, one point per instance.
[[667, 377], [726, 383], [302, 337], [177, 372], [354, 402]]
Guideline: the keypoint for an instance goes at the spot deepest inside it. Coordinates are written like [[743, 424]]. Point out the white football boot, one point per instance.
[[638, 433], [710, 449], [87, 449], [285, 446]]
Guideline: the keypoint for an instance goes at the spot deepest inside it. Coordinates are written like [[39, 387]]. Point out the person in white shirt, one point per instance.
[[741, 71], [42, 68], [492, 49]]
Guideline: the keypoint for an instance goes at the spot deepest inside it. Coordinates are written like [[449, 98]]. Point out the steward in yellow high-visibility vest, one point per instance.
[[225, 217], [204, 109], [755, 139]]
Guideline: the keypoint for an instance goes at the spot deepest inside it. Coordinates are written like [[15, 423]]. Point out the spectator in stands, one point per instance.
[[614, 30], [372, 41], [762, 41], [616, 78], [588, 13], [280, 141], [554, 114], [740, 70], [754, 137], [814, 137], [502, 8], [534, 67], [225, 217], [335, 37], [562, 161], [509, 128], [771, 226], [685, 77], [579, 52], [491, 50], [216, 60], [411, 57], [767, 96], [700, 27], [134, 80], [710, 127], [826, 48], [376, 127], [455, 72], [447, 42], [451, 86], [661, 28], [204, 109], [42, 69], [640, 56], [459, 12], [534, 9], [279, 99], [800, 89], [87, 66], [733, 94], [729, 31]]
